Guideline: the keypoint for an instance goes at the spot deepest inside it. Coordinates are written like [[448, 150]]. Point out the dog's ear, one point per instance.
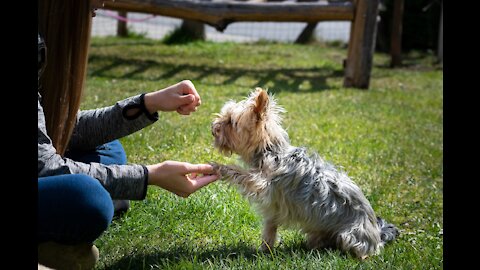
[[261, 103]]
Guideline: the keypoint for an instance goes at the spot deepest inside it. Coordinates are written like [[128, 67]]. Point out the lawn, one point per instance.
[[389, 139]]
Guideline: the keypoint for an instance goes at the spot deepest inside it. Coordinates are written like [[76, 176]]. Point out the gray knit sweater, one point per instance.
[[94, 128]]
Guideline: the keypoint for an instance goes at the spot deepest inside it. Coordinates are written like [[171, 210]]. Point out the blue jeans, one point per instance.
[[76, 208]]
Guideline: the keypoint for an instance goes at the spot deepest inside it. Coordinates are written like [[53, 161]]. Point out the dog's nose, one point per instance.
[[215, 129], [212, 129]]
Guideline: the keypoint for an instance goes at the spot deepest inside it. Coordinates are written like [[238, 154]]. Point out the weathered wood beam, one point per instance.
[[220, 14]]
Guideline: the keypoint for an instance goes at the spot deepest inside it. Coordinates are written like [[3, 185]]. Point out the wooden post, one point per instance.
[[194, 29], [307, 34], [396, 36], [361, 46], [122, 30]]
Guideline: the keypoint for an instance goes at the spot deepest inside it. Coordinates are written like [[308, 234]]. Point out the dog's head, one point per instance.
[[249, 125]]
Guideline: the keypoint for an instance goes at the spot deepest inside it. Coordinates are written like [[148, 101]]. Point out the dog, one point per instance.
[[292, 187]]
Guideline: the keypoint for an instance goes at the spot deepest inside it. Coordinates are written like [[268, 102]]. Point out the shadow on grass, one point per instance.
[[276, 78], [180, 255], [415, 61]]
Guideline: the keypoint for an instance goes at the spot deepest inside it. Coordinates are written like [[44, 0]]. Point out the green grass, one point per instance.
[[389, 139]]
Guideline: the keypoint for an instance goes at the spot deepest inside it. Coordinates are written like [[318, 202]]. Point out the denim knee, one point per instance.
[[97, 204], [72, 208], [113, 153]]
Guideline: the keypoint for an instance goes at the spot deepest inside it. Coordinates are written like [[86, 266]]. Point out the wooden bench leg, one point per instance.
[[361, 45]]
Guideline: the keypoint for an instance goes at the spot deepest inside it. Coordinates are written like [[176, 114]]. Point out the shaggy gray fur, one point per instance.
[[294, 188]]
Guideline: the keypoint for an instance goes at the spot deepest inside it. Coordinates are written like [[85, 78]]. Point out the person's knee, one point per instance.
[[114, 153], [96, 205], [73, 208]]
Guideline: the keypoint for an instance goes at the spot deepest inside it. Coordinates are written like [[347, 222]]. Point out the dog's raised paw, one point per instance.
[[216, 168]]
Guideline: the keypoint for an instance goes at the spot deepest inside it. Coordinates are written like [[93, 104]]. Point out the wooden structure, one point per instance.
[[362, 14], [396, 36], [122, 30]]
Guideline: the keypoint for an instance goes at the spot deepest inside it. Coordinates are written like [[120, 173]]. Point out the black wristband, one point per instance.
[[151, 116], [146, 182], [142, 109]]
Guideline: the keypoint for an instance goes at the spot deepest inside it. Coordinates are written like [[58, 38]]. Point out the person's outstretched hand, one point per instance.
[[181, 178], [181, 97]]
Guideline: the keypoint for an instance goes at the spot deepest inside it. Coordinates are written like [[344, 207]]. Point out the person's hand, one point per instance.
[[181, 97], [181, 178]]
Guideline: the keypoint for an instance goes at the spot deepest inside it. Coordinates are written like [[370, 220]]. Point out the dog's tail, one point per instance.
[[388, 231]]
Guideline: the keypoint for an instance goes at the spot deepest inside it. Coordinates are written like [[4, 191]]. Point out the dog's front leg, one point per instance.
[[269, 235], [252, 184]]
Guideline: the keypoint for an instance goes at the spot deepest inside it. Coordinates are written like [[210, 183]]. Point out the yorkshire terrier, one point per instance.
[[291, 187]]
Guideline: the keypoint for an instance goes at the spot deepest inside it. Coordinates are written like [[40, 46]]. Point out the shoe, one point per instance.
[[120, 207], [42, 267], [72, 257]]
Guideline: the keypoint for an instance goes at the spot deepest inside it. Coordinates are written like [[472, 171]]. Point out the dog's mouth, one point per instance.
[[222, 148]]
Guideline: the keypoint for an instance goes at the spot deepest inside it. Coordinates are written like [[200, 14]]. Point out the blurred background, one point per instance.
[[420, 26]]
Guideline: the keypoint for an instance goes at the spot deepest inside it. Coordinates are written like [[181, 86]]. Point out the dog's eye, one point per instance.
[[232, 123]]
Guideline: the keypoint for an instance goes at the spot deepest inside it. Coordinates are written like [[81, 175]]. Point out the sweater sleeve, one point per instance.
[[121, 181], [99, 126]]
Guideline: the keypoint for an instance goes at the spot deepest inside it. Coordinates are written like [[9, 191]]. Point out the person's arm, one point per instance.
[[121, 181], [99, 126]]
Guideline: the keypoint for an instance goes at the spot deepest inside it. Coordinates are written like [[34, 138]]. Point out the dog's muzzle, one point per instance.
[[215, 129]]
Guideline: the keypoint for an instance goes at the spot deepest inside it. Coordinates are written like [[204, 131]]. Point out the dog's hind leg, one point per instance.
[[316, 240]]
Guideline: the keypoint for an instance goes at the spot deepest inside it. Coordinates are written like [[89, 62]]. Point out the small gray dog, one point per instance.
[[291, 187]]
